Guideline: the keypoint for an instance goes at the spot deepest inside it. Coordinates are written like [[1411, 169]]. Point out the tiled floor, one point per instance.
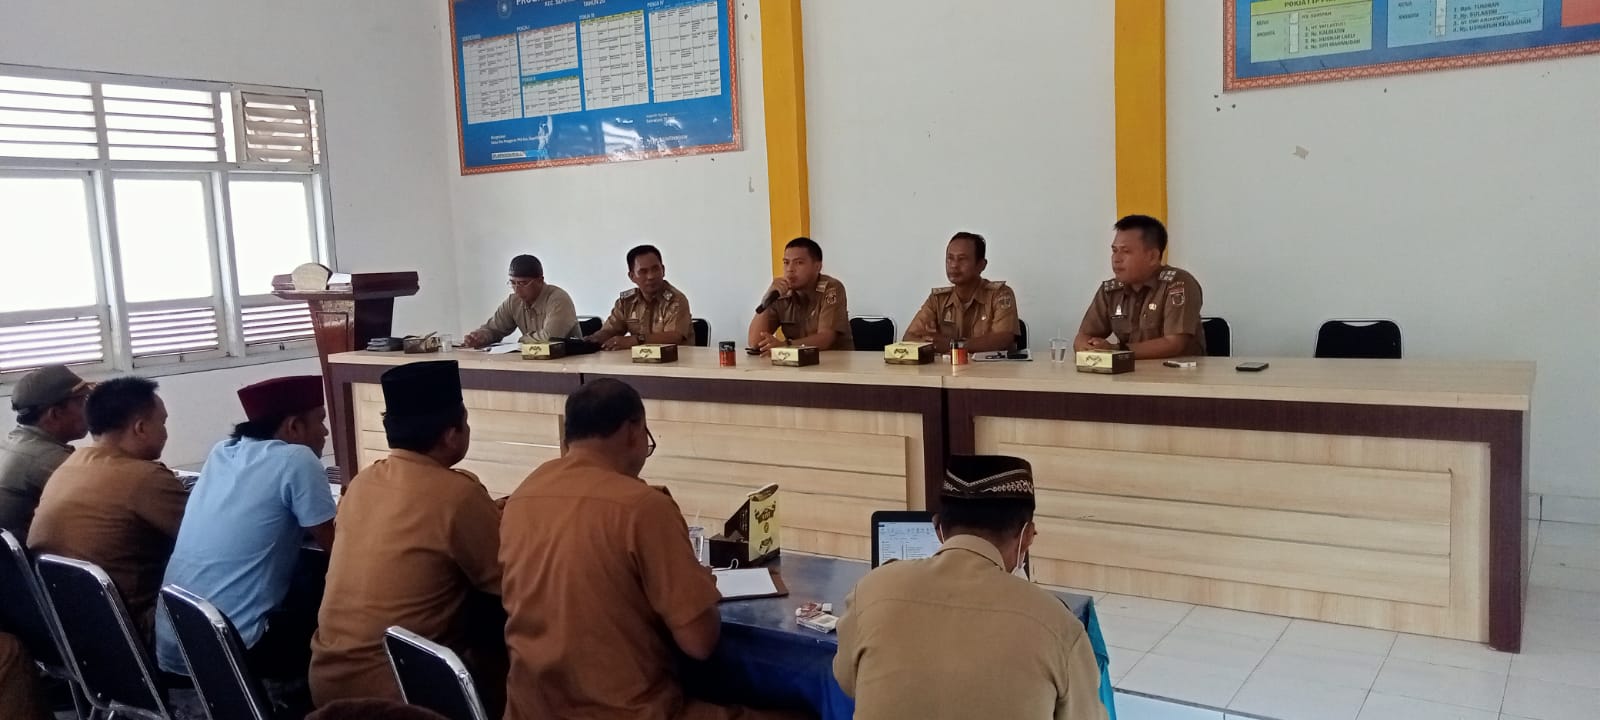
[[1272, 667]]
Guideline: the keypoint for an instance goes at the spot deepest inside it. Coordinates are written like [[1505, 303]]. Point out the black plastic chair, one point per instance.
[[872, 332], [1022, 335], [111, 661], [23, 614], [1219, 337], [588, 325], [1373, 339], [215, 656], [702, 331], [432, 676]]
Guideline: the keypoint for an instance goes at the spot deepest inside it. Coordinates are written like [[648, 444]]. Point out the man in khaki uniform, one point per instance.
[[981, 312], [415, 538], [653, 312], [810, 308], [601, 585], [49, 404], [113, 504], [957, 635], [1150, 308], [537, 309]]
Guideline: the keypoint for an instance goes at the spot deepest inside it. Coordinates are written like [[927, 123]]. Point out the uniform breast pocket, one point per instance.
[[1122, 326], [636, 326], [1150, 326]]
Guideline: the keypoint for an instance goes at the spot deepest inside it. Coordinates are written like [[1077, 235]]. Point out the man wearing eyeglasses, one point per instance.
[[539, 310], [600, 584]]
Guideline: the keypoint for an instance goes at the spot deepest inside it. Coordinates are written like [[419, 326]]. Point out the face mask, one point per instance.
[[1021, 570]]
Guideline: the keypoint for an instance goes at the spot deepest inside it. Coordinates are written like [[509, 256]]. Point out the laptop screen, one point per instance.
[[903, 538]]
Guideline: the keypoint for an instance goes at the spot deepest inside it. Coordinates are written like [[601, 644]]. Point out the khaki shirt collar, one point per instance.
[[414, 457], [975, 545]]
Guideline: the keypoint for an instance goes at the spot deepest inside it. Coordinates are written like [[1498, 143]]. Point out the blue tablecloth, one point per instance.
[[766, 659]]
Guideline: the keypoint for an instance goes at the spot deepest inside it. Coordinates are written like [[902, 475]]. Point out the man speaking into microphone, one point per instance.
[[808, 306]]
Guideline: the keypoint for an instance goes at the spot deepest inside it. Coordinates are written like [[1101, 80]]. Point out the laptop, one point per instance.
[[908, 535], [902, 535]]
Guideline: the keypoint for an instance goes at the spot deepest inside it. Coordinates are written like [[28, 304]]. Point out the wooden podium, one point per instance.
[[345, 315]]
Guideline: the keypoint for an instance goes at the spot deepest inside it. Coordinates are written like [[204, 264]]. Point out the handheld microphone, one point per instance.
[[772, 296]]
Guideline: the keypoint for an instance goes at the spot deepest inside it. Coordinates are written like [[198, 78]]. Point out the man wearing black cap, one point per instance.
[[539, 310], [957, 635], [259, 493], [415, 538], [49, 405]]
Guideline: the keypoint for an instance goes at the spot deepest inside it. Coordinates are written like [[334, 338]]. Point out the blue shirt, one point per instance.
[[241, 534]]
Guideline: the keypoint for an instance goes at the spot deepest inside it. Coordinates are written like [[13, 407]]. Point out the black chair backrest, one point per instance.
[[431, 676], [111, 660], [872, 332], [22, 610], [588, 325], [1022, 335], [215, 656], [1377, 339], [702, 331], [1219, 337]]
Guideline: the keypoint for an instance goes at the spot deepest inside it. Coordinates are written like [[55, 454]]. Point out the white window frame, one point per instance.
[[228, 304]]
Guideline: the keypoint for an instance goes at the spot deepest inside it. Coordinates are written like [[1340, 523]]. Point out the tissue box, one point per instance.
[[1105, 362], [908, 353], [655, 353], [549, 350], [795, 356]]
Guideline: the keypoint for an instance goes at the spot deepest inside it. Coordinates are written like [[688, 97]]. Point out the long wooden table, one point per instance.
[[1387, 494]]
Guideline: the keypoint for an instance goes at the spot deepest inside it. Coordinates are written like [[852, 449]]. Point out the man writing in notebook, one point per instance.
[[600, 584]]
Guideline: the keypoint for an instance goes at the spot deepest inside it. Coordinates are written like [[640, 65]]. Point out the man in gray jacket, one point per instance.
[[49, 406]]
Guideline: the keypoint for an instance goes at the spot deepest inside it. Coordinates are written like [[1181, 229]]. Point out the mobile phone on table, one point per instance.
[[1251, 366]]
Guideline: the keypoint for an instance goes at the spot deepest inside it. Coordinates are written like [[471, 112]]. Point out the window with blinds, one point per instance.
[[157, 211]]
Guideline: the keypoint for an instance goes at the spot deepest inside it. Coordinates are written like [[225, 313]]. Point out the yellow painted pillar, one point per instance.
[[1141, 107], [783, 79]]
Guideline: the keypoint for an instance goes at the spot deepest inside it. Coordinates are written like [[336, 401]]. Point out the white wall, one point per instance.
[[1463, 204], [386, 99], [927, 117], [707, 213]]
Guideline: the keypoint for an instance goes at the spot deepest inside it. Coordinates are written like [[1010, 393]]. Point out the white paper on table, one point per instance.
[[503, 348], [753, 582]]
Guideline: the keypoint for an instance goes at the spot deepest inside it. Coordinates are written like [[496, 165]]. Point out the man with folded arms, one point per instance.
[[259, 493]]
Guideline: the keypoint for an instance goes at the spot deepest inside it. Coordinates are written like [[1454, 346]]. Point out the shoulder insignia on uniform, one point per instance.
[[942, 290], [667, 294], [1168, 274], [1110, 285], [995, 284], [822, 285], [630, 292]]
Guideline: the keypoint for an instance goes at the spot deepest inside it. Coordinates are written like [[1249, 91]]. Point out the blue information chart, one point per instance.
[[541, 83], [1282, 42]]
